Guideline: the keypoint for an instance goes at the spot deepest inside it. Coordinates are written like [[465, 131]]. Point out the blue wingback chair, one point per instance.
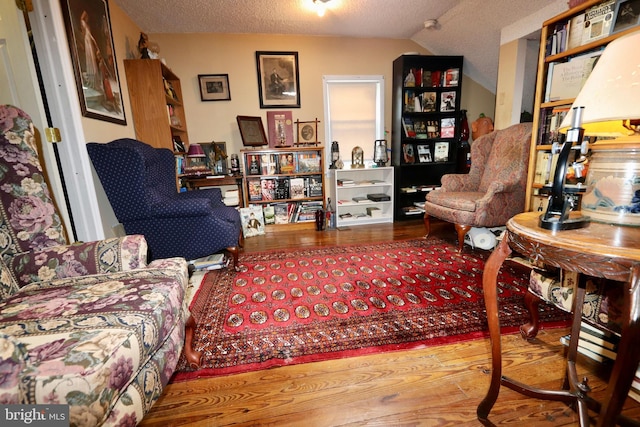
[[139, 181]]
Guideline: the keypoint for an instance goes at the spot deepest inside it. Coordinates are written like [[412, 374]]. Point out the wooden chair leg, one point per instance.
[[427, 224], [234, 253], [193, 357], [462, 231], [530, 329]]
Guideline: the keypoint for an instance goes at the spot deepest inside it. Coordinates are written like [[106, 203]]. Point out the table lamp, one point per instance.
[[610, 99], [196, 157]]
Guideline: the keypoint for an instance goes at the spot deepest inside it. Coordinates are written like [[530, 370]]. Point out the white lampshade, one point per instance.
[[611, 94]]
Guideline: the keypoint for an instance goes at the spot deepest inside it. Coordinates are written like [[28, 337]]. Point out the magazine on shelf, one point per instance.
[[296, 188], [598, 21], [282, 188], [314, 186], [627, 15], [424, 154], [308, 162], [448, 127], [429, 100], [407, 150], [268, 187], [254, 189], [448, 101], [441, 151], [407, 125], [420, 128], [269, 214], [451, 77]]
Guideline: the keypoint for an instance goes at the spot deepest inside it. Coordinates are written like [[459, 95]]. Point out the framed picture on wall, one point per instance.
[[214, 87], [278, 79], [93, 55]]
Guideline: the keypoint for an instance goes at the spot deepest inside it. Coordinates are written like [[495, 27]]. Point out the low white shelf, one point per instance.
[[349, 184]]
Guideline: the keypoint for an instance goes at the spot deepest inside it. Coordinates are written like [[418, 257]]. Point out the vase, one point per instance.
[[613, 184]]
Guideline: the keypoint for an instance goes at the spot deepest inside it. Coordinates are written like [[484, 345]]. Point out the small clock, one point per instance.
[[357, 158]]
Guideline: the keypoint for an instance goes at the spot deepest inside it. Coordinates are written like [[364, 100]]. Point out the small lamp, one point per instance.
[[611, 101], [196, 157]]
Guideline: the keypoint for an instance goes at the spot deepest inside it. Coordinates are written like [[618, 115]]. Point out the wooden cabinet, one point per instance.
[[156, 103], [362, 196], [287, 182], [426, 125], [565, 44]]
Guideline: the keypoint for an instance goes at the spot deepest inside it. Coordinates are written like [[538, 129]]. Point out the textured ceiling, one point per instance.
[[465, 27]]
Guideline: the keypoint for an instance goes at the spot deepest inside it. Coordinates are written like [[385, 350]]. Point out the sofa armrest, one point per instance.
[[80, 259]]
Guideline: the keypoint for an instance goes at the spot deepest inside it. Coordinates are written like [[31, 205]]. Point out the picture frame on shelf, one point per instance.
[[627, 15], [214, 87], [216, 156], [280, 128], [252, 131], [88, 23], [278, 79], [307, 132]]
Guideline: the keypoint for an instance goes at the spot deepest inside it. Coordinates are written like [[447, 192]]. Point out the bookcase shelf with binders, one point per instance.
[[426, 126], [288, 183], [570, 46]]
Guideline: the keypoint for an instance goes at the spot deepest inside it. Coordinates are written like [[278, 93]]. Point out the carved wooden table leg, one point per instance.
[[628, 358], [489, 285]]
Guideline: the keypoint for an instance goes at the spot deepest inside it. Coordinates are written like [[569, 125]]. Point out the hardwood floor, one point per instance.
[[434, 386]]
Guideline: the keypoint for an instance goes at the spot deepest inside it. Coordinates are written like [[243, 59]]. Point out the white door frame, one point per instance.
[[50, 40]]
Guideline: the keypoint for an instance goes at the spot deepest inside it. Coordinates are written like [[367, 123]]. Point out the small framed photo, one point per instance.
[[278, 79], [627, 15], [280, 127], [214, 87], [307, 132], [252, 131], [216, 156]]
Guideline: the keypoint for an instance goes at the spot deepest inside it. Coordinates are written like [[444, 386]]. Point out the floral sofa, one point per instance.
[[91, 325]]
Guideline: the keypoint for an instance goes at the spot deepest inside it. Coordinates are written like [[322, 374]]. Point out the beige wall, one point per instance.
[[234, 54]]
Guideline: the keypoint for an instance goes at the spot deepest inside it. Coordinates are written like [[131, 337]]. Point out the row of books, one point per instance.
[[429, 129], [284, 213], [428, 102], [421, 153], [550, 120], [419, 77], [283, 163], [284, 188], [597, 22]]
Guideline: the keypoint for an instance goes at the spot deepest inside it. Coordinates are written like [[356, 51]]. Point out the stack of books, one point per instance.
[[211, 262], [595, 343]]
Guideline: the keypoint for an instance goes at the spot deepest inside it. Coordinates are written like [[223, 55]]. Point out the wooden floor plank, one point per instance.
[[432, 386]]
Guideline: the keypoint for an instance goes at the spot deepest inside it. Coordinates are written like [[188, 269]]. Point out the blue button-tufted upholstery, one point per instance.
[[139, 181]]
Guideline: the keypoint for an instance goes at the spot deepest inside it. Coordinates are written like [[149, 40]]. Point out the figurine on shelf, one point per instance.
[[143, 46]]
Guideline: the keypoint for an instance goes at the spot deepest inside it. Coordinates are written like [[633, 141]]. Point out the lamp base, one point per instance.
[[556, 223]]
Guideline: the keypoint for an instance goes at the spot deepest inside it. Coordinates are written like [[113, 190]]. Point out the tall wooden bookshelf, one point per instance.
[[557, 47], [426, 126], [156, 103]]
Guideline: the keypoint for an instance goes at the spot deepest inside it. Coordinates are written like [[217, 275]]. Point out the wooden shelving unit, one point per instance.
[[426, 96], [541, 165], [291, 178]]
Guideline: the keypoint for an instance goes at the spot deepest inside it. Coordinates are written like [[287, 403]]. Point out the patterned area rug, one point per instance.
[[287, 307]]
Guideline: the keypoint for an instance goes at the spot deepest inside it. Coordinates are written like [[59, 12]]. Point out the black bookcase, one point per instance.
[[425, 126]]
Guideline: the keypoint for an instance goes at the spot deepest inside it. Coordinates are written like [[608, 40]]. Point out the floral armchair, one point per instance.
[[494, 189], [90, 325]]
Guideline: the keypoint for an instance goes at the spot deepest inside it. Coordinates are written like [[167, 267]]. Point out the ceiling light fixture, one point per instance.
[[321, 6]]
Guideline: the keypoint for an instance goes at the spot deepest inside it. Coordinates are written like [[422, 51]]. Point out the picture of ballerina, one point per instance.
[[93, 54]]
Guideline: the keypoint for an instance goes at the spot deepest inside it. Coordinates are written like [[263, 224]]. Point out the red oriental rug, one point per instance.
[[306, 305]]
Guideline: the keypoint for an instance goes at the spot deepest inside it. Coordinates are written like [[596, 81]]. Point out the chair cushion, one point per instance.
[[464, 201]]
